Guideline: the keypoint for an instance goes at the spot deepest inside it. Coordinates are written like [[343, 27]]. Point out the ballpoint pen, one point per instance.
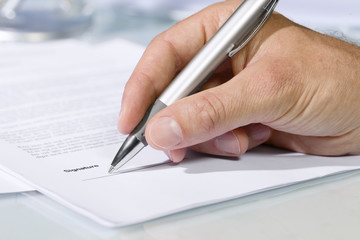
[[235, 33]]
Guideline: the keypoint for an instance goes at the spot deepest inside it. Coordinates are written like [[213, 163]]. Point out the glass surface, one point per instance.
[[39, 20]]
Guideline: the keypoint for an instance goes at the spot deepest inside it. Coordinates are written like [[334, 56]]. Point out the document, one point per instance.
[[59, 104]]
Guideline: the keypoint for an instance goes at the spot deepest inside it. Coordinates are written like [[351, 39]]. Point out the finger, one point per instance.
[[164, 57], [176, 155], [325, 146], [236, 142], [255, 95], [257, 134], [232, 144]]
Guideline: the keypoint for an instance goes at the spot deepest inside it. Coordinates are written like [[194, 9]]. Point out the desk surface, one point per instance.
[[326, 208]]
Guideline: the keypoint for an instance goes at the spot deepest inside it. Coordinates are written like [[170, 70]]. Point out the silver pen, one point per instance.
[[230, 38]]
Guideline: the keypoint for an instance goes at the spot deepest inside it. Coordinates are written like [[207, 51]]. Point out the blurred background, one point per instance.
[[39, 20]]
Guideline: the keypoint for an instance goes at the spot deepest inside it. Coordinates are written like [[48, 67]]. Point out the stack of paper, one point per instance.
[[59, 104]]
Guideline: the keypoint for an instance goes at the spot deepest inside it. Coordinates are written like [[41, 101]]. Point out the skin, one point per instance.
[[290, 87]]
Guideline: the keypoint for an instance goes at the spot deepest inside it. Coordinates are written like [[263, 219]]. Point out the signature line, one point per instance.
[[130, 170]]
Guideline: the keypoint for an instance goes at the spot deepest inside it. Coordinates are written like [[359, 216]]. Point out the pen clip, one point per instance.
[[269, 9]]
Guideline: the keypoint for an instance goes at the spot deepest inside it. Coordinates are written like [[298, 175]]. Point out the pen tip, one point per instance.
[[111, 170]]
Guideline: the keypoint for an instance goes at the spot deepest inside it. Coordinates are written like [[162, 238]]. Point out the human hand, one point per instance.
[[289, 87]]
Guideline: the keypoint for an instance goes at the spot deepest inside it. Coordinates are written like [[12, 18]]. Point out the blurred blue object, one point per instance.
[[39, 20]]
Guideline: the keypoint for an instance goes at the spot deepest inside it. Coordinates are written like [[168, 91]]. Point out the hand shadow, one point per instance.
[[263, 158]]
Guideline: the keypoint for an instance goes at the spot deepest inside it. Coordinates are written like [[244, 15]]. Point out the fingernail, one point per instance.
[[228, 143], [165, 132], [259, 132]]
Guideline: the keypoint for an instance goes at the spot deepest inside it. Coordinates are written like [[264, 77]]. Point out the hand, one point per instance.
[[289, 87]]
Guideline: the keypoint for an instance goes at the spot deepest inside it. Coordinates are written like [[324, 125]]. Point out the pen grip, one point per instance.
[[139, 131]]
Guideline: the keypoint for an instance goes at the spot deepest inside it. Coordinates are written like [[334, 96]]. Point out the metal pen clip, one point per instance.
[[269, 9]]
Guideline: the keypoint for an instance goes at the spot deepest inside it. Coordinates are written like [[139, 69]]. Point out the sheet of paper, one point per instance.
[[59, 104], [10, 184]]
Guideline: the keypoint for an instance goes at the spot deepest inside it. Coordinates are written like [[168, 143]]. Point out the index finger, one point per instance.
[[165, 56]]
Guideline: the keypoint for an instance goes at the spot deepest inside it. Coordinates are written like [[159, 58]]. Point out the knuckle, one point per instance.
[[166, 41], [159, 38], [209, 110]]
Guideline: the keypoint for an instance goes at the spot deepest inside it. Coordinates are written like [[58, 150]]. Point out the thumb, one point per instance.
[[213, 112]]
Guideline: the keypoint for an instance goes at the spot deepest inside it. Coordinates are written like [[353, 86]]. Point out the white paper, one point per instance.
[[59, 104], [9, 184]]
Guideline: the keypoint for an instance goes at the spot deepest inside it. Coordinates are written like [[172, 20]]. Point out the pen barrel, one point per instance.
[[232, 34]]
